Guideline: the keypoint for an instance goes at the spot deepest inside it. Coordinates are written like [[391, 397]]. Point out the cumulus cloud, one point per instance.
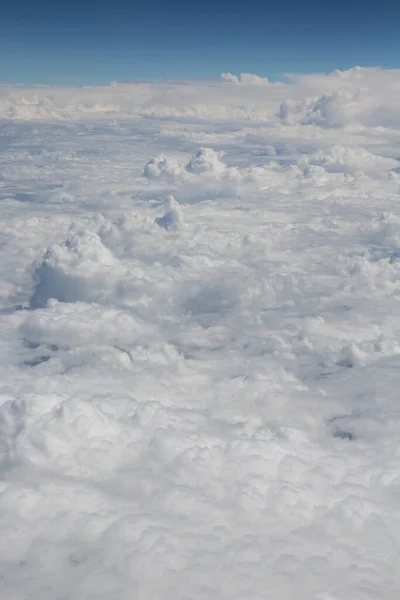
[[366, 96], [172, 217], [206, 160], [387, 233], [205, 163], [245, 78], [344, 159], [204, 174], [334, 109], [252, 79], [162, 166], [229, 78], [81, 268]]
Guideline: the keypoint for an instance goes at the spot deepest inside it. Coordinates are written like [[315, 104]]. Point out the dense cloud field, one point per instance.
[[200, 340]]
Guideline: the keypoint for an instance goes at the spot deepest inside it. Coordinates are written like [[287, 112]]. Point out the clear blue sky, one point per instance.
[[59, 41]]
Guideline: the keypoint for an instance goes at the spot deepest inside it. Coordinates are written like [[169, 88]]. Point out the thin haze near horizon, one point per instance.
[[83, 43]]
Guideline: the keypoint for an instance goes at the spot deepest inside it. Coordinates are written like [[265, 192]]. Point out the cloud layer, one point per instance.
[[199, 340], [361, 95]]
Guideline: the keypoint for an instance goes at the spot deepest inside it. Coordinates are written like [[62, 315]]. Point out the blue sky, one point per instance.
[[60, 42]]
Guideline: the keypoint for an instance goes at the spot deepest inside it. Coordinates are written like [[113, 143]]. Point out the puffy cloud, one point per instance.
[[245, 78], [206, 160], [162, 166], [229, 77], [81, 268], [252, 79], [344, 159], [172, 218], [334, 109], [387, 232], [365, 96]]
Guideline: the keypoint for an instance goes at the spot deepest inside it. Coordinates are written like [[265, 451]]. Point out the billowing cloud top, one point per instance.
[[246, 78]]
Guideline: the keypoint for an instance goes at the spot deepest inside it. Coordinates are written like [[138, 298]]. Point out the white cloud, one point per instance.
[[162, 167], [245, 78], [368, 97], [200, 352], [252, 79], [172, 218], [229, 78], [206, 160], [340, 159], [81, 268]]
